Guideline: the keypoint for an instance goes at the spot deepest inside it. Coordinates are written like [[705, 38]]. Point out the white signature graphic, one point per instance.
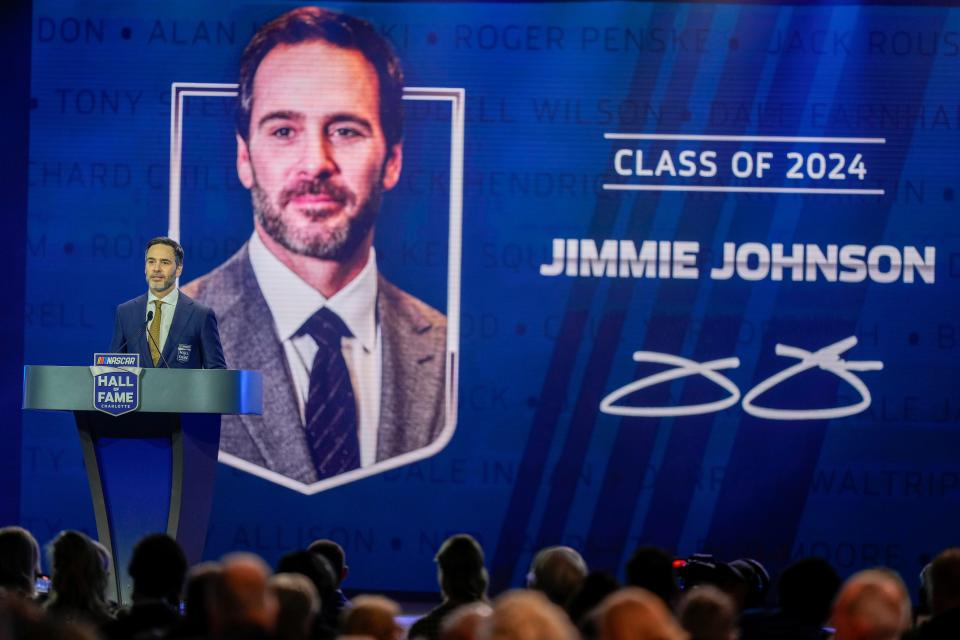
[[828, 359]]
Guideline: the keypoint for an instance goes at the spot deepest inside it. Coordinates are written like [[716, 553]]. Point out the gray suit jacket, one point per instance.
[[412, 391]]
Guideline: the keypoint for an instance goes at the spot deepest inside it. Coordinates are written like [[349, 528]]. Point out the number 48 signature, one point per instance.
[[828, 359]]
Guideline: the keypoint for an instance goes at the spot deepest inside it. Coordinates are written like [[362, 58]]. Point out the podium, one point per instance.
[[151, 470]]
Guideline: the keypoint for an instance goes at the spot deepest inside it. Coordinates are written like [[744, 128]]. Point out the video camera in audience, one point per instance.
[[745, 579]]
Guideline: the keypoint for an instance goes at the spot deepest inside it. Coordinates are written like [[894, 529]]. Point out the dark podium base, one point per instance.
[[138, 465]]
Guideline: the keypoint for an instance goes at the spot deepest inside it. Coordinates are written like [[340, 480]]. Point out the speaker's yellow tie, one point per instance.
[[155, 333]]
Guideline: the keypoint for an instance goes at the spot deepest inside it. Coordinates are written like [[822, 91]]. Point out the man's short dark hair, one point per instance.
[[19, 555], [158, 567], [807, 589], [944, 580], [333, 552], [311, 565], [462, 574], [202, 580], [313, 24], [170, 242], [651, 568]]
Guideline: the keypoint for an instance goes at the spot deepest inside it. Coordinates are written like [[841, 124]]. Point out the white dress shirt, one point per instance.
[[292, 302], [166, 314]]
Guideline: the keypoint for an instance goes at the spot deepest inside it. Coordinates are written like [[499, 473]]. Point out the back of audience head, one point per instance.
[[637, 614], [79, 577], [651, 568], [19, 561], [316, 567], [750, 585], [334, 554], [872, 605], [241, 599], [461, 573], [943, 582], [707, 613], [298, 604], [373, 616], [198, 597], [313, 566], [22, 618], [526, 615], [158, 567], [807, 589], [464, 622], [557, 572], [593, 590]]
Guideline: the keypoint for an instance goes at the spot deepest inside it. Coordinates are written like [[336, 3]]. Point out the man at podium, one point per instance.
[[165, 326]]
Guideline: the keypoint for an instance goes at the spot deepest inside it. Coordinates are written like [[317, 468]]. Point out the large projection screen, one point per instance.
[[681, 274]]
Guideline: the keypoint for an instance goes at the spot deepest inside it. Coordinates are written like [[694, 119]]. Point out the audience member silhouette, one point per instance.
[[24, 619], [157, 567], [241, 605], [237, 598], [593, 590], [321, 574], [707, 613], [806, 590], [464, 622], [637, 614], [463, 579], [298, 604], [750, 585], [557, 572], [19, 561], [526, 615], [651, 568], [79, 580], [198, 594], [872, 605], [334, 554], [373, 616], [943, 596]]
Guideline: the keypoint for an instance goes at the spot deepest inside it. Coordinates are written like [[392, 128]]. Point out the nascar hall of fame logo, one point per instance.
[[116, 382]]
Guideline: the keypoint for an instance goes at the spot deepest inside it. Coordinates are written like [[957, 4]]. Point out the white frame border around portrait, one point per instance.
[[457, 99]]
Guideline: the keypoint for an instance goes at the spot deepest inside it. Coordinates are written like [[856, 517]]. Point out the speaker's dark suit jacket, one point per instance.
[[192, 343], [413, 338]]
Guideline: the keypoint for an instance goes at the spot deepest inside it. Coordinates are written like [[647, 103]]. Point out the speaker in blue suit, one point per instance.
[[188, 337]]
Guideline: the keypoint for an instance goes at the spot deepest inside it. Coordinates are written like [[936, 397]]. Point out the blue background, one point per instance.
[[532, 461]]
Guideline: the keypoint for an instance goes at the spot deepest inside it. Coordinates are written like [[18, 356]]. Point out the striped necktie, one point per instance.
[[155, 333], [331, 408]]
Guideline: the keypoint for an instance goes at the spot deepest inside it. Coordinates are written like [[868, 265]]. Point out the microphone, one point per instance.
[[150, 338], [143, 328]]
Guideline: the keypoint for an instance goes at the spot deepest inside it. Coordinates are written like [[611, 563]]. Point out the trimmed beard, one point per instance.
[[340, 243], [167, 284]]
